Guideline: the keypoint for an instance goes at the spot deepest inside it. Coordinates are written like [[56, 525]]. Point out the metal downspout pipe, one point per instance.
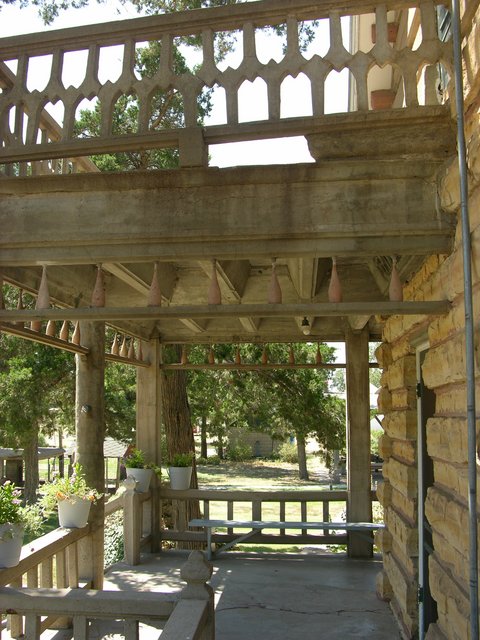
[[469, 323]]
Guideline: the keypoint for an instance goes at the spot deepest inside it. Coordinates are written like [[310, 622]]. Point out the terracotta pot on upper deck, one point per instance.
[[382, 99]]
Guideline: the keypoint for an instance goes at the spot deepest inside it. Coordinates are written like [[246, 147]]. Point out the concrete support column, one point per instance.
[[90, 435], [149, 428], [149, 403], [359, 505]]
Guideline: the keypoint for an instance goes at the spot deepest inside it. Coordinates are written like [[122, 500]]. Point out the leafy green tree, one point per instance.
[[37, 391], [281, 402]]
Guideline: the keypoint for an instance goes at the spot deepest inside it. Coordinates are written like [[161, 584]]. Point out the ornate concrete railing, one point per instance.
[[138, 519], [47, 562], [282, 506], [189, 613], [25, 137]]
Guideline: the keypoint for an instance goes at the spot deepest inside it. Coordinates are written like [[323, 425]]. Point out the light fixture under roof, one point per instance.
[[306, 328]]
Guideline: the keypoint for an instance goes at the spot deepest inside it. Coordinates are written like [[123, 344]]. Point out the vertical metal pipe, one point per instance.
[[469, 325]]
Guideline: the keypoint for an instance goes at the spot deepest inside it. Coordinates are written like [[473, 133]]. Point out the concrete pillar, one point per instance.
[[149, 403], [90, 435], [149, 428], [359, 505]]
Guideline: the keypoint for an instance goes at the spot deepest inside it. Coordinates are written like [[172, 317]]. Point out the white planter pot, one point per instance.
[[142, 477], [73, 515], [180, 477], [11, 542]]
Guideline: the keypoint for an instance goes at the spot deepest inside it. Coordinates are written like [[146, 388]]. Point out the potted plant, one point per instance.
[[15, 520], [72, 496], [137, 468], [180, 470]]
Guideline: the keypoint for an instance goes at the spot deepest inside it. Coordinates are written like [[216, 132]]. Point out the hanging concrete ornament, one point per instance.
[[214, 293], [64, 331], [274, 290], [264, 355], [98, 294], [76, 334], [115, 348], [395, 290], [43, 299], [124, 348], [211, 356], [51, 328], [335, 287], [131, 350], [154, 293]]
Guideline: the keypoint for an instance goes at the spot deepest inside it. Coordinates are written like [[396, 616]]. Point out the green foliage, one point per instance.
[[288, 452], [181, 460], [238, 452], [375, 436], [69, 488], [113, 540], [166, 112], [120, 399], [12, 511], [135, 459]]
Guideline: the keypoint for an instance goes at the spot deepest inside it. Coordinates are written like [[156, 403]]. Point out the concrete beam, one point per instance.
[[345, 208]]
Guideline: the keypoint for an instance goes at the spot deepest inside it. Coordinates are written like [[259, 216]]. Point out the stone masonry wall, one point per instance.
[[441, 277]]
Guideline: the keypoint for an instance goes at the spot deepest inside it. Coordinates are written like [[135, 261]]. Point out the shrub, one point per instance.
[[113, 545], [239, 452], [288, 452], [213, 460]]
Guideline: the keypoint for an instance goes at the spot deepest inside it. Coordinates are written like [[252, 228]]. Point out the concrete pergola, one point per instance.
[[370, 194]]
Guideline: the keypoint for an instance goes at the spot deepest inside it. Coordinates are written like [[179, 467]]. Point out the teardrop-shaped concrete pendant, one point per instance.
[[335, 287], [214, 293], [154, 293], [274, 290], [395, 289], [98, 294]]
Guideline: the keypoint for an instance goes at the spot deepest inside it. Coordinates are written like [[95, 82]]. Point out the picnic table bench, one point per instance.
[[257, 525]]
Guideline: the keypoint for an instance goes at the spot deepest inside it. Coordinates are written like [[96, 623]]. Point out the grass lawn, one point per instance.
[[264, 475]]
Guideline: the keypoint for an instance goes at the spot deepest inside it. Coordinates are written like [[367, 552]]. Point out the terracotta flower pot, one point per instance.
[[382, 99]]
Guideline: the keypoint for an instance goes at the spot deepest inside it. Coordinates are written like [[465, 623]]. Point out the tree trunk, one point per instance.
[[179, 436], [220, 448], [203, 438], [30, 459], [302, 458]]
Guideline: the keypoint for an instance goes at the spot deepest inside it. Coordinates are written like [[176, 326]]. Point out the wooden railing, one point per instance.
[[47, 562], [190, 612], [282, 506], [24, 135], [138, 519]]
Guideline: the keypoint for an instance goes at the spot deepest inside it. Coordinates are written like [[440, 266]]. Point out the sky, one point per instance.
[[296, 99]]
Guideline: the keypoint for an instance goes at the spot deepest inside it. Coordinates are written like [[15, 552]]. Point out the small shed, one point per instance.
[[113, 453], [11, 462]]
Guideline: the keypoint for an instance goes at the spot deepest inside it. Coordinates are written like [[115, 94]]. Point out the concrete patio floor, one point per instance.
[[276, 596]]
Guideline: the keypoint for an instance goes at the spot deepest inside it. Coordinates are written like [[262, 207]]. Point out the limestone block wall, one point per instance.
[[441, 277]]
